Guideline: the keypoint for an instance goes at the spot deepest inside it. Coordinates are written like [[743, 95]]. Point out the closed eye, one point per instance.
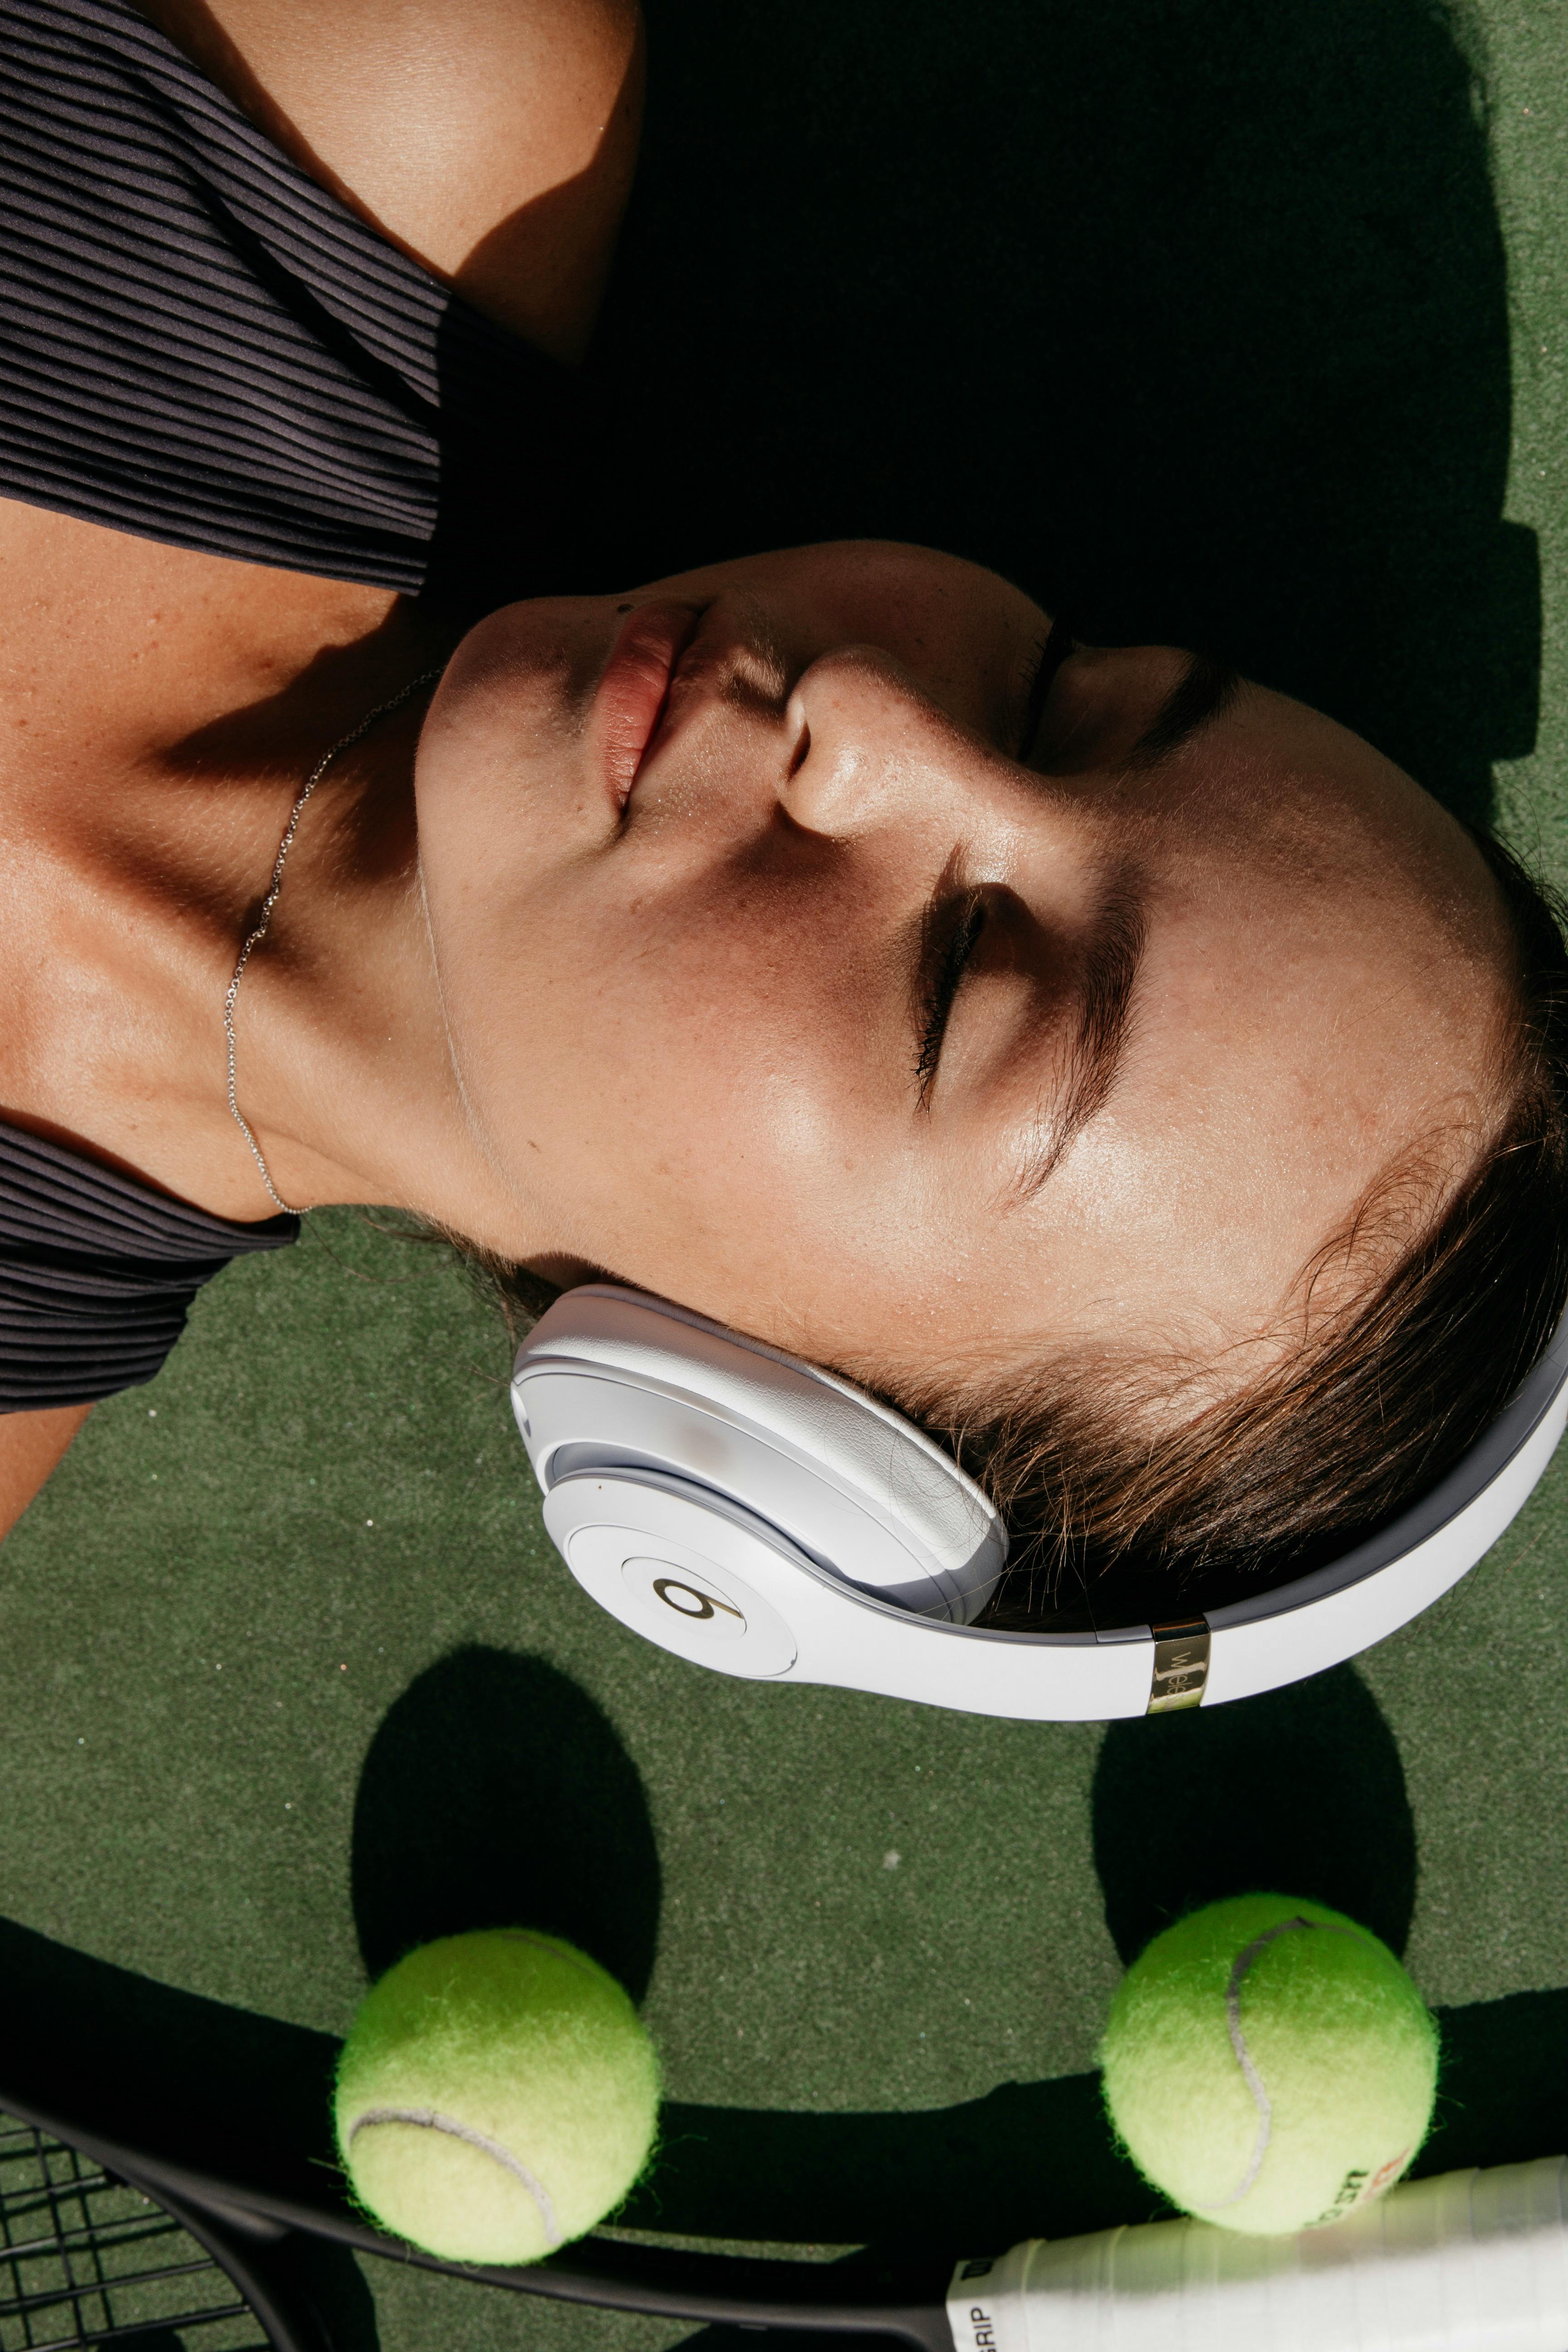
[[1049, 655], [950, 944]]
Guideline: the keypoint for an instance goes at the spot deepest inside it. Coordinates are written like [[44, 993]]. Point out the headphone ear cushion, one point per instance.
[[611, 1377]]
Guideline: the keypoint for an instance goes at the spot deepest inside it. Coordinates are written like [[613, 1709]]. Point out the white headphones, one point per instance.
[[759, 1516]]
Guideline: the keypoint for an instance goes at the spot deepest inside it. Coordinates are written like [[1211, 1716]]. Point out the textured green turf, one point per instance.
[[1240, 323]]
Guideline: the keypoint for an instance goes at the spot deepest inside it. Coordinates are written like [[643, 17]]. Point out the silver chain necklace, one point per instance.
[[264, 914]]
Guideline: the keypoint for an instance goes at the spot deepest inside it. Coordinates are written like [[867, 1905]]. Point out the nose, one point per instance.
[[865, 748]]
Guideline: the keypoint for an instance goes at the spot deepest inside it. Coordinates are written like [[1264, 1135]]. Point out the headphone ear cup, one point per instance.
[[678, 1564], [612, 1379]]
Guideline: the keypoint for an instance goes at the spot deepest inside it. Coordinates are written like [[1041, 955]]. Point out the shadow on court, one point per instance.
[[1036, 2159], [170, 2071], [1192, 318], [1300, 1790], [495, 1794]]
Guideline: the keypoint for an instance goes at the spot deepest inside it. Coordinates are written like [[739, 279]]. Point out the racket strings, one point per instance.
[[87, 2261]]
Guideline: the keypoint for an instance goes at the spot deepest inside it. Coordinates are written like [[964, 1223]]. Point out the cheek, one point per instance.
[[734, 1022], [498, 807], [503, 789], [718, 1038]]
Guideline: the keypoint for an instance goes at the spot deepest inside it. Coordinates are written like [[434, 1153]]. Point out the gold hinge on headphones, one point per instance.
[[1181, 1666]]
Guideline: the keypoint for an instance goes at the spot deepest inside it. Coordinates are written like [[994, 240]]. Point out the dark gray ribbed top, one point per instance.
[[200, 345], [96, 1273]]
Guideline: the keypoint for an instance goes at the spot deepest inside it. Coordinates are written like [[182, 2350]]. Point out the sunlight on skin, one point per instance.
[[494, 143], [685, 1030], [32, 1445]]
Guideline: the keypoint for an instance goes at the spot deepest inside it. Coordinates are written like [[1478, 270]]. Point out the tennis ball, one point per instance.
[[497, 2096], [1269, 2065]]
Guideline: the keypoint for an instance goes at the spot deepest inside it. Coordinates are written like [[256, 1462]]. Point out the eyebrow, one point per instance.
[[1205, 688], [1109, 978]]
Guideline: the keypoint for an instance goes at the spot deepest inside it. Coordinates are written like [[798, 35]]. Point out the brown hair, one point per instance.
[[1115, 1518], [1114, 1521]]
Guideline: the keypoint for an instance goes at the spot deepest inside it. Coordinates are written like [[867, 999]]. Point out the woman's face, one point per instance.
[[816, 954]]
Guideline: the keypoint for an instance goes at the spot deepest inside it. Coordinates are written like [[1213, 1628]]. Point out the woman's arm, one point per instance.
[[493, 140], [31, 1443]]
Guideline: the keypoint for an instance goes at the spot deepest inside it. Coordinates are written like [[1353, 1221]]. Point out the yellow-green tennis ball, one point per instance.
[[1269, 2065], [497, 2096]]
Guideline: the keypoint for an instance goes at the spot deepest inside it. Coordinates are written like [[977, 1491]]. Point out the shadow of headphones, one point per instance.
[[754, 1514]]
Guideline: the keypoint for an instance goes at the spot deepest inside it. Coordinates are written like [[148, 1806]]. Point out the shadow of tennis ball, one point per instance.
[[1300, 1791], [497, 1794]]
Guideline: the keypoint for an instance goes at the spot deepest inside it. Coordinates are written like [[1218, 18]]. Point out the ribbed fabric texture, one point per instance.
[[98, 1273], [198, 343]]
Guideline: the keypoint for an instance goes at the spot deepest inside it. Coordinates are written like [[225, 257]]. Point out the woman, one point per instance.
[[1123, 1068]]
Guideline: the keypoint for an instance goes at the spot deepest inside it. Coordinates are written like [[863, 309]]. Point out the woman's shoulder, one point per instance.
[[493, 140]]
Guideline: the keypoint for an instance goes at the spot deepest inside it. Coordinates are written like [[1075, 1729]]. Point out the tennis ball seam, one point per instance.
[[551, 1944], [430, 2119], [1240, 1969]]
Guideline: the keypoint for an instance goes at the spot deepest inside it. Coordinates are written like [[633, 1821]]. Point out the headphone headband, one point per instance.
[[764, 1518]]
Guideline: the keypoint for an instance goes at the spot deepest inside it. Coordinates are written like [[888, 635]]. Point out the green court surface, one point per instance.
[[1239, 325]]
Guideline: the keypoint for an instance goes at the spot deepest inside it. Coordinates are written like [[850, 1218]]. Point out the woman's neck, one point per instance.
[[164, 709]]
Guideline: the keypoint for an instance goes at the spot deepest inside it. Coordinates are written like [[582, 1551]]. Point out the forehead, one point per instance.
[[1265, 779], [1324, 989]]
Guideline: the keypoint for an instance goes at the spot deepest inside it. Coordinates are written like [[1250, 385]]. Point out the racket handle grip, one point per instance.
[[1470, 2262]]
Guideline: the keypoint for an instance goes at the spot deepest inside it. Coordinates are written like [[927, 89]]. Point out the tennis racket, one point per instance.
[[1468, 2261], [88, 2259]]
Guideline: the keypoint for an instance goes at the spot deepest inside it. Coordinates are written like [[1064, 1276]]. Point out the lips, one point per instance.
[[635, 688]]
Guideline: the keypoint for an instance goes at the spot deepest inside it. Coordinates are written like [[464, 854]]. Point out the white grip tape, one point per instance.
[[1471, 2262]]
